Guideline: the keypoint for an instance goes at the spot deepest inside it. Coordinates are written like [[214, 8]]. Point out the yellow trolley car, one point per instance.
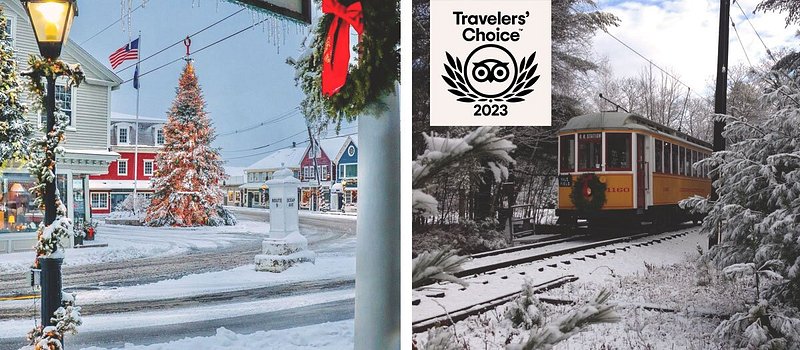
[[645, 168]]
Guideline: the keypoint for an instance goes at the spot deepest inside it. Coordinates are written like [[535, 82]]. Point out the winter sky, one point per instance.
[[245, 79], [681, 36]]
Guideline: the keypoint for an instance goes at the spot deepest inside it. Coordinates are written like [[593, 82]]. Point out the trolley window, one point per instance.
[[682, 164], [667, 158], [659, 154], [589, 151], [567, 159], [675, 159], [695, 173], [618, 151]]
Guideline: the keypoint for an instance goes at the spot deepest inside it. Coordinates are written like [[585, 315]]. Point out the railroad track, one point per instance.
[[526, 255], [518, 255]]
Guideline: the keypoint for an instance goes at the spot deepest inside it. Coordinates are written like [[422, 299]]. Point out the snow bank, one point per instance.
[[14, 328], [324, 336], [240, 278]]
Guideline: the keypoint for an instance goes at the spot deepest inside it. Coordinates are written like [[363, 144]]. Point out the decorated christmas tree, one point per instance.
[[188, 171], [14, 130]]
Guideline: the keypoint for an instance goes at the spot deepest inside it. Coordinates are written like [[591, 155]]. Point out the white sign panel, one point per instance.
[[490, 63]]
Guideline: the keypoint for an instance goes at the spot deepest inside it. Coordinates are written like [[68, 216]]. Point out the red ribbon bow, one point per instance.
[[336, 56]]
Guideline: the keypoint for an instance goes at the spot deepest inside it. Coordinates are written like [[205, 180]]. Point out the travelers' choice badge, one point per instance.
[[490, 62]]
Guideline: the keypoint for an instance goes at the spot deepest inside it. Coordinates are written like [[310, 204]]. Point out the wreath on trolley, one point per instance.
[[588, 193]]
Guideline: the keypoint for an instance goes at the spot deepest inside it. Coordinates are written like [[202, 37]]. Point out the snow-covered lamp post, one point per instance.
[[285, 246], [51, 21]]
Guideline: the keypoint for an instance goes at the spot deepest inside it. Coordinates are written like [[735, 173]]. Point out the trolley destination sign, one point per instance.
[[490, 63]]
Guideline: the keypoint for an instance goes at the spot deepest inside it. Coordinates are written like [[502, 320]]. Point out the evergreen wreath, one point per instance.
[[373, 76], [588, 193]]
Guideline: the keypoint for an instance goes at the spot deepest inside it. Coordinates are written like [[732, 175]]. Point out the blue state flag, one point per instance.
[[136, 78]]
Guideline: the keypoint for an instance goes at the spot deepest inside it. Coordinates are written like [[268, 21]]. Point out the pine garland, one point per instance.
[[42, 165], [374, 76], [47, 148]]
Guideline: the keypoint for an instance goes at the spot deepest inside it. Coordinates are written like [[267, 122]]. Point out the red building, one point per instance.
[[106, 191]]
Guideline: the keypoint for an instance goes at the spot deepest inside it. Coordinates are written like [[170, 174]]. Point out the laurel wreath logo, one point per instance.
[[523, 86]]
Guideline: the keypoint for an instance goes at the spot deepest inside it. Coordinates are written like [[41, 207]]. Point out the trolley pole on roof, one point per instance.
[[720, 95]]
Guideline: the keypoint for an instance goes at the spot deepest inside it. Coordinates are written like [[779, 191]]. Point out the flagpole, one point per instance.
[[136, 138]]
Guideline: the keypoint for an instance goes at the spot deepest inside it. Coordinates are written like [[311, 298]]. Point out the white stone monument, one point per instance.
[[285, 246]]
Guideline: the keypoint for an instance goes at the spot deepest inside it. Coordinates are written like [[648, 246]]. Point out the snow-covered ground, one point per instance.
[[324, 336], [133, 242], [599, 269], [671, 278]]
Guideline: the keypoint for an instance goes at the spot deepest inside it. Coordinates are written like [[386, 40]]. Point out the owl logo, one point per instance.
[[490, 70], [490, 73]]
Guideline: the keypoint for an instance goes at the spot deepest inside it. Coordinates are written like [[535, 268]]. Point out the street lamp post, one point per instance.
[[51, 21]]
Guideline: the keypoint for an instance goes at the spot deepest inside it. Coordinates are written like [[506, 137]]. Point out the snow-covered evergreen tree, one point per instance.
[[14, 130], [189, 170], [758, 210]]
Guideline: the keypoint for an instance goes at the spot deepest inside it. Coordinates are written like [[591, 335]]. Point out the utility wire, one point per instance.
[[200, 49], [181, 41], [267, 145], [278, 149], [283, 116], [769, 52], [111, 25], [739, 38]]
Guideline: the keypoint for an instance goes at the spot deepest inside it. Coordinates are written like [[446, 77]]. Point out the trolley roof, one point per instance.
[[625, 121]]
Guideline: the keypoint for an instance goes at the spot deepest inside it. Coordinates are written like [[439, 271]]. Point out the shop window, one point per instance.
[[17, 209], [99, 200], [659, 152], [618, 151], [589, 151], [567, 155]]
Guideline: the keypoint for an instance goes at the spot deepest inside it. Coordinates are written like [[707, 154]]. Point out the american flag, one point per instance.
[[127, 52]]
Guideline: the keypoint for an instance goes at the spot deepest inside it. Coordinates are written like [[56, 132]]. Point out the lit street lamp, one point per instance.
[[51, 21]]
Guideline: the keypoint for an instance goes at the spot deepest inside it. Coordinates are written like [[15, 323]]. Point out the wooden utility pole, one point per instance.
[[720, 95], [720, 98]]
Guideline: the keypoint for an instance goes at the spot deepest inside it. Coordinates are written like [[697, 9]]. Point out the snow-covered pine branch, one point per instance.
[[437, 265], [594, 312], [442, 153], [758, 185]]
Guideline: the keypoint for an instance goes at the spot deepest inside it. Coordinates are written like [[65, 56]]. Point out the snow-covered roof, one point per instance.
[[234, 170], [287, 157], [332, 146], [124, 117]]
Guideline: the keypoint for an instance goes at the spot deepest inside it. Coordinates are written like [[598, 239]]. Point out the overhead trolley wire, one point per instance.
[[652, 64]]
